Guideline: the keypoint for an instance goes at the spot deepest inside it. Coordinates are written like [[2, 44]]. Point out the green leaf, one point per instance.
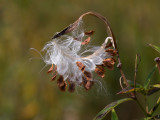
[[114, 115], [128, 90], [155, 47], [155, 107], [149, 77], [152, 89], [109, 107], [156, 117], [147, 118]]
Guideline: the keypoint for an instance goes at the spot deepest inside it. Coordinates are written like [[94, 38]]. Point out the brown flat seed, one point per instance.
[[71, 87], [81, 66], [54, 77], [100, 71], [88, 85], [63, 88], [89, 32], [50, 69], [86, 41], [61, 83], [88, 75], [109, 63], [111, 52]]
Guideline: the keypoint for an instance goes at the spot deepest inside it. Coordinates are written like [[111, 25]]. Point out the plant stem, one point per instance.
[[155, 107], [121, 71]]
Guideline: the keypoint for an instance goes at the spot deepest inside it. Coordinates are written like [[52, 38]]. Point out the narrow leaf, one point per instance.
[[149, 77], [114, 115], [109, 107], [152, 89], [129, 90], [155, 107], [156, 117], [155, 47]]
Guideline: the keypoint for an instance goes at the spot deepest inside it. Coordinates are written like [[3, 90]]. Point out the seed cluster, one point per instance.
[[87, 76]]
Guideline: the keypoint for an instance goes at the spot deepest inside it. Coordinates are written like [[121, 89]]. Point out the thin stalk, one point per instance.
[[135, 75], [155, 107]]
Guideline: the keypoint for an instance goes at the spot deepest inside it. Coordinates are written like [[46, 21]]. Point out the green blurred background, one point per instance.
[[27, 94]]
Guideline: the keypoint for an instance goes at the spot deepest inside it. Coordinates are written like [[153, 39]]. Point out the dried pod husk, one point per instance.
[[71, 87], [86, 41], [100, 70], [54, 77], [81, 66], [109, 63], [50, 69], [88, 75], [88, 85], [89, 32], [61, 83], [111, 52], [108, 45]]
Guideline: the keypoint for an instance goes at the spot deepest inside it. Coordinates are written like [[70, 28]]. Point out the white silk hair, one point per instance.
[[65, 51]]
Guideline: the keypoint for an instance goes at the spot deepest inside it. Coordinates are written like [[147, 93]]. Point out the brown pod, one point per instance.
[[71, 87], [88, 75], [111, 52], [88, 85], [86, 41], [89, 32], [100, 70], [81, 66], [109, 63], [54, 77], [50, 69], [61, 83]]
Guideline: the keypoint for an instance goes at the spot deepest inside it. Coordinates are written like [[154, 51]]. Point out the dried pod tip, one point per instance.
[[109, 45], [54, 77], [86, 41], [61, 83], [88, 75], [112, 52], [100, 70], [71, 87], [89, 32], [81, 66], [109, 63], [88, 85]]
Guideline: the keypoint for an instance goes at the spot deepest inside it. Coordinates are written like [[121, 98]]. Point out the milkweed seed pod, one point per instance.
[[68, 60]]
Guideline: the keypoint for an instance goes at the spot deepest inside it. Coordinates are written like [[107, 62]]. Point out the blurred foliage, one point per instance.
[[27, 94]]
